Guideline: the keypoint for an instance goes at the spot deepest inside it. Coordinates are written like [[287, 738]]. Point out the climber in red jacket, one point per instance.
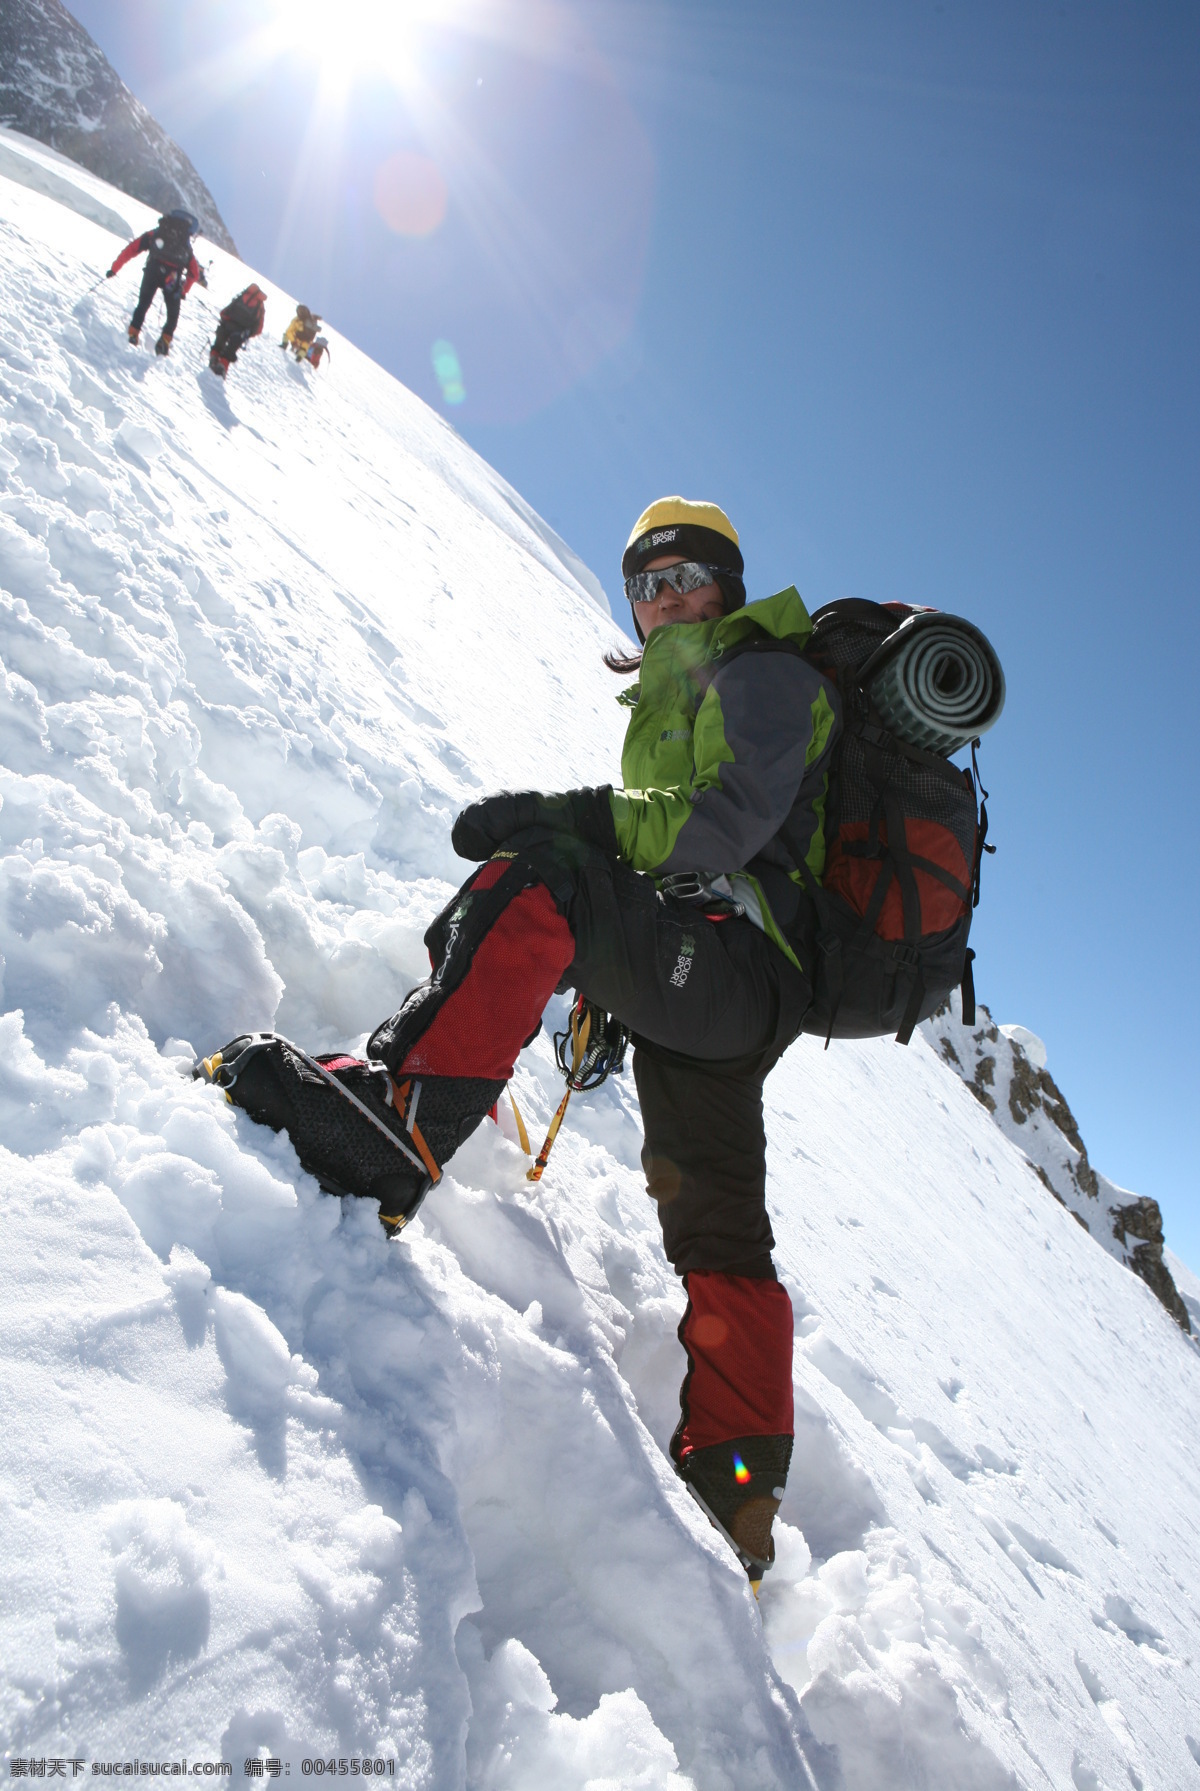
[[171, 269]]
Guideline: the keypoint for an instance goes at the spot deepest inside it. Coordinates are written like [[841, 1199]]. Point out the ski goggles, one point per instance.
[[689, 575]]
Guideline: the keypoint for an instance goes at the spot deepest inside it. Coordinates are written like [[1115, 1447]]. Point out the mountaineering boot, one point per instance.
[[354, 1128], [738, 1486], [163, 345], [134, 333], [217, 365], [338, 1113]]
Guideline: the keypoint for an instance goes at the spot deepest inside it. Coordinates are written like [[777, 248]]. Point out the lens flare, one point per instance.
[[449, 373], [741, 1472], [410, 193], [709, 1331]]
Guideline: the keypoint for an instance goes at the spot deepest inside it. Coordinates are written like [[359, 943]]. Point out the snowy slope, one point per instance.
[[57, 85], [272, 1486]]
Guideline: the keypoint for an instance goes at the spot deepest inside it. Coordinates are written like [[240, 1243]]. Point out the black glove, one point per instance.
[[110, 273], [483, 826]]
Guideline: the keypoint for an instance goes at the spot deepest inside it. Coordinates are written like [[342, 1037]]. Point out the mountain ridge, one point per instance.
[[57, 86]]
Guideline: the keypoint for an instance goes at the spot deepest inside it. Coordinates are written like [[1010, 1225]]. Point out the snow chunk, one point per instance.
[[1029, 1042], [140, 439], [531, 1747]]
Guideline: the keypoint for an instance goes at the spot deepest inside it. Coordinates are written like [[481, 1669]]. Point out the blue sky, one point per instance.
[[911, 290]]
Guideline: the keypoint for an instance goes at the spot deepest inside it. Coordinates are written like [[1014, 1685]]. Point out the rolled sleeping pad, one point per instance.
[[936, 682]]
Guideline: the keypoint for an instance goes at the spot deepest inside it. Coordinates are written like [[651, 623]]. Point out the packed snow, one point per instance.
[[275, 1489]]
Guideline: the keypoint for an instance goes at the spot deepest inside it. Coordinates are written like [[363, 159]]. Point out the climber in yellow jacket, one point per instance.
[[301, 332]]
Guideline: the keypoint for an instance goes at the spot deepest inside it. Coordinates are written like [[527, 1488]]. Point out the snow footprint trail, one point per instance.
[[245, 676]]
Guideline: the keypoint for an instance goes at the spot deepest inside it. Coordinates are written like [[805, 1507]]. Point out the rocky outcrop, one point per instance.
[[57, 86], [1142, 1221], [1005, 1069]]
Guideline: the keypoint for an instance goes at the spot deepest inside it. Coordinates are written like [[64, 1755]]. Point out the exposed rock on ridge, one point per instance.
[[57, 86], [1001, 1067]]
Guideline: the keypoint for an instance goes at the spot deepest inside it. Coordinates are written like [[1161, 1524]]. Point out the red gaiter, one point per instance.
[[737, 1332], [480, 1027]]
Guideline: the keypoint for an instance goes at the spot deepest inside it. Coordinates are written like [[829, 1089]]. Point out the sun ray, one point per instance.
[[516, 240], [440, 162], [316, 158], [218, 78]]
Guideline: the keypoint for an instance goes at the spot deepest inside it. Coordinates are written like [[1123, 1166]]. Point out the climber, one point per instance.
[[241, 320], [317, 352], [301, 332], [171, 268], [672, 905]]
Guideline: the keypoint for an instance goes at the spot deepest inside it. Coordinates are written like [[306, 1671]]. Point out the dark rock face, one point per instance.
[[57, 86], [1031, 1089], [1030, 1108], [1143, 1220]]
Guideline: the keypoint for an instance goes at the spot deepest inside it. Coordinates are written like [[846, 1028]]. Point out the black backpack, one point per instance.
[[905, 835], [240, 316], [171, 240]]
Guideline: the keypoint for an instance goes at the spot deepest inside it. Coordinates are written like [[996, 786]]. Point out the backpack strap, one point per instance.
[[912, 1009], [901, 859], [943, 876], [981, 842]]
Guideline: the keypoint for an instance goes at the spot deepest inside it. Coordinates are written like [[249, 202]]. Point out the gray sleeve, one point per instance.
[[767, 712]]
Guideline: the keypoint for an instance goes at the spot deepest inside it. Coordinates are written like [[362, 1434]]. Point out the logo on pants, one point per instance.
[[683, 963]]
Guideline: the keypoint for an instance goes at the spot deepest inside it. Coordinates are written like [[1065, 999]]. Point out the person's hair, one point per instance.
[[623, 663]]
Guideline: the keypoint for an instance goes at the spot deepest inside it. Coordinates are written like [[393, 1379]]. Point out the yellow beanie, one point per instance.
[[679, 524]]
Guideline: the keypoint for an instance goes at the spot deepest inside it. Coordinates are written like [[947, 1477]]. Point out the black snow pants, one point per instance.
[[159, 276], [228, 341], [711, 1004]]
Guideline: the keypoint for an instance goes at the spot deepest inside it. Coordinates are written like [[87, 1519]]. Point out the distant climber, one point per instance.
[[239, 322], [317, 352], [301, 332], [171, 269]]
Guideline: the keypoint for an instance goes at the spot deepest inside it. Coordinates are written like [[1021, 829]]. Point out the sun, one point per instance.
[[349, 37]]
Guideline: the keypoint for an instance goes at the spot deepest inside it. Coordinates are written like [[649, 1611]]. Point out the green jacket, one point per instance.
[[718, 757]]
